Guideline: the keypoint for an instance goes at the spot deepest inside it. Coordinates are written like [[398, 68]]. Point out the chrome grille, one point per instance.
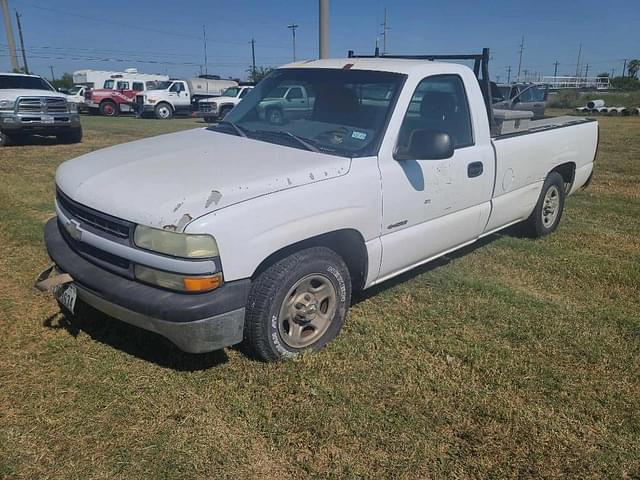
[[97, 220], [42, 105]]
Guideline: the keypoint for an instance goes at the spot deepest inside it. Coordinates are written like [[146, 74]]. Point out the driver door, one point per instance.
[[431, 206]]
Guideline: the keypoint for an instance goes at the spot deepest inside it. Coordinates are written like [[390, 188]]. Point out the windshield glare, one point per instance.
[[344, 112], [20, 82]]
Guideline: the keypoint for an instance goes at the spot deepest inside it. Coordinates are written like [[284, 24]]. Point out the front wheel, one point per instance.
[[548, 212], [163, 111], [275, 116], [109, 109], [297, 304]]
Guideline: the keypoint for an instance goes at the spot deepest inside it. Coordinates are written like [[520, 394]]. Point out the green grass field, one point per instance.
[[517, 358]]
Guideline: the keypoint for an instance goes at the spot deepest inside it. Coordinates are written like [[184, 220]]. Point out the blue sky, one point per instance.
[[166, 37]]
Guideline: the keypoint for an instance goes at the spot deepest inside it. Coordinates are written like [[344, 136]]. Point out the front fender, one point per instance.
[[249, 232]]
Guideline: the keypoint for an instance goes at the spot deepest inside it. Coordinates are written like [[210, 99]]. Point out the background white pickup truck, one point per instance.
[[179, 96], [258, 231], [29, 105], [212, 109]]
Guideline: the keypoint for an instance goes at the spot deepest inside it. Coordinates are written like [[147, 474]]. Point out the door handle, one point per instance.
[[474, 169]]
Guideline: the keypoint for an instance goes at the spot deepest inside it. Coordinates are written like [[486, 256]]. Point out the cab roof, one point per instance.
[[396, 65]]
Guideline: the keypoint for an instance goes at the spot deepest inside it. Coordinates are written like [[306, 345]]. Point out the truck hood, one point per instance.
[[169, 180], [13, 93]]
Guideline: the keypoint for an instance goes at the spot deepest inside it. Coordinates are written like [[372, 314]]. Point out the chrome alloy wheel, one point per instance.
[[307, 311], [550, 206], [164, 112]]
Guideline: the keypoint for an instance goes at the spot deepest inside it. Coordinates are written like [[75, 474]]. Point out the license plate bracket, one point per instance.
[[48, 119], [66, 294]]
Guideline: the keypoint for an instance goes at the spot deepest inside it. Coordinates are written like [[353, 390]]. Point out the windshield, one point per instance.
[[23, 82], [343, 112], [158, 85], [231, 92], [74, 90]]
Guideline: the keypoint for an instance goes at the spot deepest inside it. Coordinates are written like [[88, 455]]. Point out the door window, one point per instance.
[[439, 104], [123, 86], [294, 94], [244, 92], [138, 86], [177, 87]]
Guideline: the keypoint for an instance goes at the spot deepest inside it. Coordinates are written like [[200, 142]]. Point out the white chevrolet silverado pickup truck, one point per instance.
[[259, 232]]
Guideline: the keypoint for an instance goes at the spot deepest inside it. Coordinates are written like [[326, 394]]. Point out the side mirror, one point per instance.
[[426, 144]]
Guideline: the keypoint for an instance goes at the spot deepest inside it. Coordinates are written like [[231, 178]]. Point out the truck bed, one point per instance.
[[512, 122]]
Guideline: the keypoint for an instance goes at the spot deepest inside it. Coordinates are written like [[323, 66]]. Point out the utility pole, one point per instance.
[[509, 74], [578, 62], [24, 54], [624, 68], [385, 30], [293, 27], [10, 40], [586, 70], [253, 59], [53, 77], [555, 70], [520, 61], [612, 71], [204, 40], [526, 74], [324, 28]]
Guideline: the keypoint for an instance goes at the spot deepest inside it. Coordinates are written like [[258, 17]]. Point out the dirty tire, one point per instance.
[[4, 139], [545, 218], [264, 336], [70, 136], [275, 116], [163, 111], [109, 109]]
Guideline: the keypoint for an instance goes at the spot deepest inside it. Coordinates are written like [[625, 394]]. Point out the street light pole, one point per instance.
[[324, 28]]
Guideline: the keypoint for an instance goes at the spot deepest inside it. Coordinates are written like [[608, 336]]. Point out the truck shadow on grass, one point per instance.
[[140, 343], [154, 348]]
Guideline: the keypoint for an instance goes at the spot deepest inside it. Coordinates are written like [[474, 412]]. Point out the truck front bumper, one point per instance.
[[42, 122], [195, 323]]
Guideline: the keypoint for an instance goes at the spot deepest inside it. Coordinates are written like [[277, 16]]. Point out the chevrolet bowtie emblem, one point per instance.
[[73, 229]]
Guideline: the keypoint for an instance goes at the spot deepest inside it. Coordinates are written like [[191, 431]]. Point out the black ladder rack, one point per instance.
[[480, 68]]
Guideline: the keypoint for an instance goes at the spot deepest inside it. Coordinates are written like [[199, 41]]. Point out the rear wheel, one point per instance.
[[297, 304], [4, 139], [109, 108], [163, 111], [70, 136], [548, 212]]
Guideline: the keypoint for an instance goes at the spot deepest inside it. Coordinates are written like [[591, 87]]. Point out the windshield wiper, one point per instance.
[[240, 131], [305, 142]]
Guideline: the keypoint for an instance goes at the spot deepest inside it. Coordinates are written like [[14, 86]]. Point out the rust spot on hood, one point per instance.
[[214, 197]]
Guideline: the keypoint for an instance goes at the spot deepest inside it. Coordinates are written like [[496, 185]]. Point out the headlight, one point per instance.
[[7, 104], [177, 244], [73, 107], [174, 281]]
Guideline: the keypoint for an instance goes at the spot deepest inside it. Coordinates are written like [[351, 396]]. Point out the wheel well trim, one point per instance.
[[348, 243]]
